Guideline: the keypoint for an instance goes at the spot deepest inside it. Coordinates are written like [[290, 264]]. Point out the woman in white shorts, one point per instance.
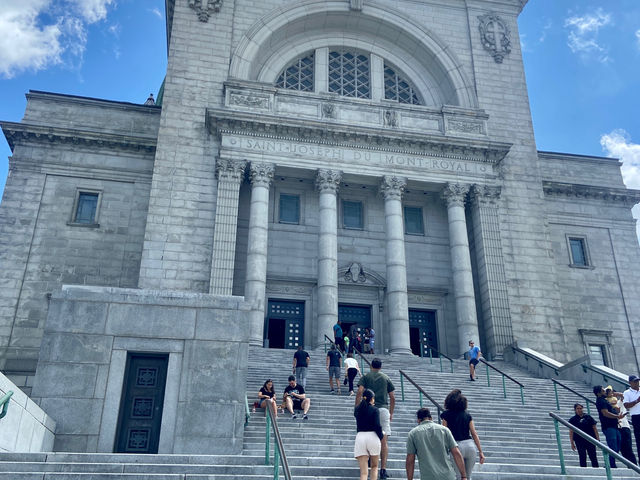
[[369, 434]]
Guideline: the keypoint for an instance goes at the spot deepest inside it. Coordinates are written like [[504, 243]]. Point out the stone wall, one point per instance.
[[25, 427], [80, 374]]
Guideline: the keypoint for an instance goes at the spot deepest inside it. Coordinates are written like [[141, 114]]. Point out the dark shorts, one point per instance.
[[474, 361]]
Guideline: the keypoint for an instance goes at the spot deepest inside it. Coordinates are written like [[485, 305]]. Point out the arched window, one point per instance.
[[298, 75], [349, 74], [398, 89]]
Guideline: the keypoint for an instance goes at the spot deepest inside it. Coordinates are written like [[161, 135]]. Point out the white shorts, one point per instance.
[[367, 444], [385, 421]]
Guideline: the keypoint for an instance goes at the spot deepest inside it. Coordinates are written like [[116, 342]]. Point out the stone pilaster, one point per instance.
[[455, 194], [492, 281], [261, 176], [391, 189], [230, 174], [327, 183]]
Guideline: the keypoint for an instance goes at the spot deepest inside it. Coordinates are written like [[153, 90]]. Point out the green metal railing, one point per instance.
[[440, 355], [4, 403], [421, 393], [606, 451], [279, 455], [555, 389], [504, 376], [247, 413]]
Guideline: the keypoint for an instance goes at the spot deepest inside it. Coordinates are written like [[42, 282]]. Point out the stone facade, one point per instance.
[[291, 192]]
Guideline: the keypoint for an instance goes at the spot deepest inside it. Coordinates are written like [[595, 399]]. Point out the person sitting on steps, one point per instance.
[[296, 399]]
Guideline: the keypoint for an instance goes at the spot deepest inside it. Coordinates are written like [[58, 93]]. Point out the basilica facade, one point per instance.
[[361, 160]]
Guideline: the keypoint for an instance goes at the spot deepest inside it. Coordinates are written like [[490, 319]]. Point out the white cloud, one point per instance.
[[156, 12], [37, 34], [583, 34], [618, 144], [638, 37]]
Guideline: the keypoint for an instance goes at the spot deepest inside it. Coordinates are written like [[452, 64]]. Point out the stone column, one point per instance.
[[230, 174], [397, 302], [454, 194], [492, 280], [327, 183], [261, 175]]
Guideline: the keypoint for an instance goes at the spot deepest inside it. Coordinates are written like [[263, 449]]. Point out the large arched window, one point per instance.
[[348, 73]]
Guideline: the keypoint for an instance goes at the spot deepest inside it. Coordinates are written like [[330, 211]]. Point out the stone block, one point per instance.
[[65, 380], [198, 422], [222, 325], [74, 416], [76, 317], [151, 321], [76, 348]]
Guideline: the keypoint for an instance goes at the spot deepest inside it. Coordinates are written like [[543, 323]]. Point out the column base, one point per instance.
[[400, 351]]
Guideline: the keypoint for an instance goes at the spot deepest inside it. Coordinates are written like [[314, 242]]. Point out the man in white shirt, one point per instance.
[[631, 401]]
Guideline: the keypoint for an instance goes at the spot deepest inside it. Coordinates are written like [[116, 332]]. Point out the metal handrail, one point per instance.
[[555, 388], [504, 386], [279, 453], [247, 413], [605, 376], [606, 451], [4, 403], [420, 391], [440, 355]]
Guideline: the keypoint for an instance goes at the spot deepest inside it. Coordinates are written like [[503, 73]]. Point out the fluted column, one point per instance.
[[261, 175], [454, 194], [397, 302], [492, 280], [327, 183], [230, 174]]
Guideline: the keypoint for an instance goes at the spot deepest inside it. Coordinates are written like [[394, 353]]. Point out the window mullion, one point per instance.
[[321, 74], [377, 78]]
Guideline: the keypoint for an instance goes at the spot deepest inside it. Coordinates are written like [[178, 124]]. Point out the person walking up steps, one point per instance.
[[334, 362], [474, 359], [367, 446]]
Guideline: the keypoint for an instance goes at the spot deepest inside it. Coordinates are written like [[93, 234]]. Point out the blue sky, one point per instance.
[[582, 60]]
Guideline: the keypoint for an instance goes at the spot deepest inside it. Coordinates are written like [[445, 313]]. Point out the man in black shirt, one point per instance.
[[608, 422], [295, 398], [300, 364], [587, 424]]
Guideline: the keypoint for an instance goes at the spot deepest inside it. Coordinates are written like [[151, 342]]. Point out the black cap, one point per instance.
[[633, 378]]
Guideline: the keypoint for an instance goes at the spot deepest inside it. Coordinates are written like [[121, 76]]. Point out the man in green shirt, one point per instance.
[[432, 443], [385, 401]]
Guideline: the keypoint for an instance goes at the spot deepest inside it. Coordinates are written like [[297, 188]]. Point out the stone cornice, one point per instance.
[[222, 121], [616, 195], [24, 132]]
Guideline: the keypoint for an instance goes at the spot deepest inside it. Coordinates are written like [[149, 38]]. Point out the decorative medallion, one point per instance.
[[355, 273], [390, 118], [328, 110], [495, 36], [204, 8]]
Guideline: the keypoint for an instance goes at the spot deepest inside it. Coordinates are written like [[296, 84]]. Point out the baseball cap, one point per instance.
[[633, 378]]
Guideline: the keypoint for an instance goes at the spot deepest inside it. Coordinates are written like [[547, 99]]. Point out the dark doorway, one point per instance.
[[141, 405], [276, 332], [423, 332], [284, 324], [354, 317]]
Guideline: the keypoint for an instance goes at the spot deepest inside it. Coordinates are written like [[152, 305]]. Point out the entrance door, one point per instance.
[[285, 324], [423, 332], [141, 405], [356, 317]]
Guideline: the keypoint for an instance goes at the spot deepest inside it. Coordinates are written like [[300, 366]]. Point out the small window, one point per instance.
[[598, 354], [398, 88], [349, 74], [413, 222], [578, 252], [289, 210], [352, 215], [298, 75], [86, 208]]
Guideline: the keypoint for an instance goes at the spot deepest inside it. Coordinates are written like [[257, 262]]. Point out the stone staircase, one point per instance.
[[518, 441]]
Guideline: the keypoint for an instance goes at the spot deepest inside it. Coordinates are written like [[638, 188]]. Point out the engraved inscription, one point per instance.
[[466, 127], [245, 100]]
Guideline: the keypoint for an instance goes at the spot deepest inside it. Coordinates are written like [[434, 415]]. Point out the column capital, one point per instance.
[[392, 187], [230, 169], [328, 180], [455, 193], [485, 194], [261, 174]]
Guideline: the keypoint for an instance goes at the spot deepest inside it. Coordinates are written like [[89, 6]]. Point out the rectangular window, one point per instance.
[[86, 208], [578, 252], [598, 354], [413, 222], [352, 215], [289, 209]]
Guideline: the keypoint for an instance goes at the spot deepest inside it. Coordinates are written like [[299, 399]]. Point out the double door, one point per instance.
[[423, 332], [284, 326]]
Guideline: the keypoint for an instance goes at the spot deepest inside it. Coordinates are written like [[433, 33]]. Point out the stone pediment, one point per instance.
[[355, 273]]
